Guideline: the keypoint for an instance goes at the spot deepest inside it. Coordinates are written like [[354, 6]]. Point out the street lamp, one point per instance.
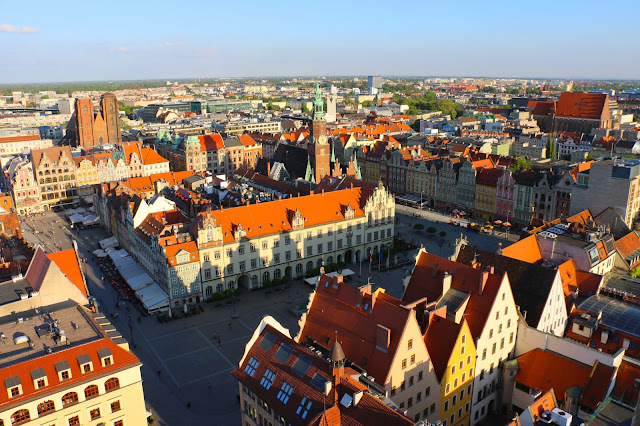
[[234, 315]]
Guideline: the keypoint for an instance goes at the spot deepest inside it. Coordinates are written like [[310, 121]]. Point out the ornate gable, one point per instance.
[[297, 221]]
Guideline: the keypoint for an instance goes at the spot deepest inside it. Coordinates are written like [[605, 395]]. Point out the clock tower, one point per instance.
[[319, 137]]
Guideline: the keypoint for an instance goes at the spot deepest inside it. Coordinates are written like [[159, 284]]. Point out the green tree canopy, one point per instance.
[[520, 164]]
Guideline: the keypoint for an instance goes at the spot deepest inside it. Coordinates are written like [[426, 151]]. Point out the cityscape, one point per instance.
[[200, 232]]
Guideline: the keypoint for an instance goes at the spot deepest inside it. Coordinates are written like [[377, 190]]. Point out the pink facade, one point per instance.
[[505, 196]]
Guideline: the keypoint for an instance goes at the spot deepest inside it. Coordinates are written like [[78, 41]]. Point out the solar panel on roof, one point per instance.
[[283, 353], [302, 365], [266, 341], [615, 314], [318, 382]]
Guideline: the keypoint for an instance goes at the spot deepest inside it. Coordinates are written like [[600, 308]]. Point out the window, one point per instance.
[[511, 338], [427, 392], [493, 349], [402, 386], [41, 383], [447, 389], [453, 369], [115, 406], [410, 402], [508, 323], [413, 359], [304, 407], [469, 360], [112, 384], [455, 383], [419, 397], [410, 344], [454, 400], [500, 329], [461, 394], [404, 363], [446, 405], [95, 413], [46, 407], [410, 381], [497, 314], [15, 391], [462, 350], [69, 399], [91, 391], [64, 375], [502, 343], [420, 376], [506, 309], [285, 392], [251, 366], [490, 333], [267, 379], [461, 364], [74, 421]]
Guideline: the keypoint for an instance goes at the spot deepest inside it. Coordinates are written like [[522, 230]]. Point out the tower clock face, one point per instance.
[[322, 139]]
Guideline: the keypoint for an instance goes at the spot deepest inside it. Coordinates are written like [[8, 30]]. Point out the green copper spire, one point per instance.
[[333, 153], [308, 176], [318, 104]]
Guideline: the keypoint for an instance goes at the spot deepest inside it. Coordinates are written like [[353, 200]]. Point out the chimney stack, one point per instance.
[[484, 276], [383, 338]]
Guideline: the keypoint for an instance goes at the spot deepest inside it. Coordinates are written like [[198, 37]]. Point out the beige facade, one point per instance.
[[55, 171]]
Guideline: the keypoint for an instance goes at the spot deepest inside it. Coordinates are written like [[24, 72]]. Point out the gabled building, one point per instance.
[[284, 382], [380, 335], [486, 184], [581, 112], [485, 300]]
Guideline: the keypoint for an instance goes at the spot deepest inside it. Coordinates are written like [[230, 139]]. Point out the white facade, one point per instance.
[[554, 315]]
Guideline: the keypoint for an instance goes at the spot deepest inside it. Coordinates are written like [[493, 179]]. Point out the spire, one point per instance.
[[333, 152], [318, 104], [308, 175]]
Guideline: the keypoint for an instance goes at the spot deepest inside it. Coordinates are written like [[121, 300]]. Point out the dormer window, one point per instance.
[[39, 378], [14, 387], [63, 370], [85, 363], [106, 358]]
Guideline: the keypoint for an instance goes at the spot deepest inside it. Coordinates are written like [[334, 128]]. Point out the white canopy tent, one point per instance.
[[153, 298], [109, 242], [314, 280]]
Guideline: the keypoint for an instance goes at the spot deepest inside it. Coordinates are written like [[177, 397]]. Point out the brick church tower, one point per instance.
[[84, 122], [319, 136], [111, 116]]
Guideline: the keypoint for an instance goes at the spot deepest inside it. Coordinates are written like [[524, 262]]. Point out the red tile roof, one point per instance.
[[323, 409], [339, 307], [625, 389], [627, 245], [212, 142], [541, 107], [488, 176], [441, 337], [67, 261], [545, 370], [149, 156], [21, 138], [121, 359], [596, 388], [582, 105]]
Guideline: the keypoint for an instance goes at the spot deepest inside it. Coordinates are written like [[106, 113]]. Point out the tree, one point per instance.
[[589, 157], [443, 234], [551, 149], [416, 125], [431, 230], [305, 110], [366, 104], [418, 227], [520, 164], [635, 272]]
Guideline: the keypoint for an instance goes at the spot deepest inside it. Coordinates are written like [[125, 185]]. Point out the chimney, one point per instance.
[[383, 338], [356, 398], [604, 337], [446, 281], [490, 269], [483, 281], [475, 264], [434, 272]]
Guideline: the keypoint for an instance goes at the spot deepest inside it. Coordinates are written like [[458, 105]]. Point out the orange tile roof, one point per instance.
[[121, 358], [526, 250], [582, 105], [627, 245], [546, 370], [21, 138], [189, 246], [337, 306], [67, 261], [212, 142], [130, 148], [546, 402], [247, 141], [597, 386], [275, 217], [581, 167], [149, 156]]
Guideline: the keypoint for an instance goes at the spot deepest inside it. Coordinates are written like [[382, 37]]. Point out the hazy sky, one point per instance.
[[116, 40]]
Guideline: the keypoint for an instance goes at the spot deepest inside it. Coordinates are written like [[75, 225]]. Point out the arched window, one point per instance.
[[276, 273], [319, 263], [210, 233], [265, 276], [46, 407], [91, 392], [230, 285], [298, 268], [219, 288], [69, 399], [209, 290], [254, 280], [112, 384], [309, 265], [20, 416], [329, 260]]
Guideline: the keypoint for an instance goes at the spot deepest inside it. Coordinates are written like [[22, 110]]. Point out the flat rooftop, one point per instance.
[[43, 331], [612, 414]]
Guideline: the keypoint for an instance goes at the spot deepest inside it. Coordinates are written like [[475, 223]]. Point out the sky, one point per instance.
[[54, 41]]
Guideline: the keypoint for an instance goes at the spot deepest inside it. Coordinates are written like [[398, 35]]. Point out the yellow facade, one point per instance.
[[457, 382], [485, 202]]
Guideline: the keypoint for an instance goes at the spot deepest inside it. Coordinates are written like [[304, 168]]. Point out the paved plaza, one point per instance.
[[181, 358]]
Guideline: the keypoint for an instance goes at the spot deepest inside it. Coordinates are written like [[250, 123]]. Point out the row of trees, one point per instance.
[[428, 102]]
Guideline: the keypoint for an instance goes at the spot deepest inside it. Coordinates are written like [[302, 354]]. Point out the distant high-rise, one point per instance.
[[88, 129], [375, 82]]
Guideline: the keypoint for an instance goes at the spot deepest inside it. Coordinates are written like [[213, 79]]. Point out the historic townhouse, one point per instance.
[[466, 187], [524, 207], [24, 185], [252, 150], [249, 245], [86, 175], [422, 176], [505, 196], [55, 170], [133, 157], [486, 182], [181, 271], [447, 181], [485, 300], [381, 335], [153, 163]]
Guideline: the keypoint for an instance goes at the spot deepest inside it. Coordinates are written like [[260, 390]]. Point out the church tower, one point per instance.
[[84, 122], [111, 117], [319, 137]]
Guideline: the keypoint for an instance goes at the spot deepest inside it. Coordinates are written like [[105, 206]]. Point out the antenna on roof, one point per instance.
[[475, 257]]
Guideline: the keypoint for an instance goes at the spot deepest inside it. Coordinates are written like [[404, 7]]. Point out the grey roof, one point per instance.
[[616, 314], [104, 352], [612, 414], [11, 291], [83, 359], [231, 142], [12, 382], [337, 354], [38, 374], [61, 366]]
